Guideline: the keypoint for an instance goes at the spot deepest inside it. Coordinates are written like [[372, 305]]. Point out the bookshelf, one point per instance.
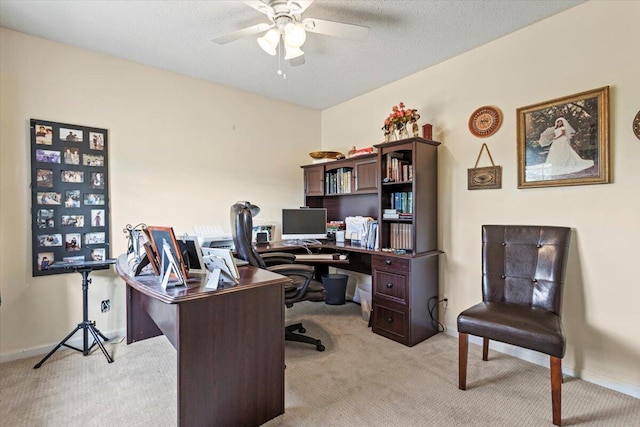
[[408, 196], [398, 187]]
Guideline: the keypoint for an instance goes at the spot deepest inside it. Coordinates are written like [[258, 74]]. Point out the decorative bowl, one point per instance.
[[326, 155]]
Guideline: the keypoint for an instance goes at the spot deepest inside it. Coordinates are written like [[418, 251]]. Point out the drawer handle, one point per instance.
[[389, 320], [389, 285], [388, 262]]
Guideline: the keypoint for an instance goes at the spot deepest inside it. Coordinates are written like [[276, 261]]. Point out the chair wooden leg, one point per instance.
[[556, 389], [485, 349], [463, 349]]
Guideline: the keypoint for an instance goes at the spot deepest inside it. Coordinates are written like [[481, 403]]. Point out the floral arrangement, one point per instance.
[[398, 120]]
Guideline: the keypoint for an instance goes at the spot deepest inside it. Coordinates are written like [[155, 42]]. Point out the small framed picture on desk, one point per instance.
[[160, 234]]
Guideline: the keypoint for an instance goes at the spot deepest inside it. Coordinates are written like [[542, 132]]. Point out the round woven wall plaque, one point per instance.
[[485, 121], [636, 125]]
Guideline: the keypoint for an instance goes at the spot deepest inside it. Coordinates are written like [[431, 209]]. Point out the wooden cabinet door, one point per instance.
[[366, 176], [314, 180]]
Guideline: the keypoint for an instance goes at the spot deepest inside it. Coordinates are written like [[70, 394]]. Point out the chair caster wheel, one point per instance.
[[302, 330], [320, 347]]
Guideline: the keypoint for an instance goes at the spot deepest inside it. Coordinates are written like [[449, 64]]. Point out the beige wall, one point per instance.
[[181, 152], [587, 47]]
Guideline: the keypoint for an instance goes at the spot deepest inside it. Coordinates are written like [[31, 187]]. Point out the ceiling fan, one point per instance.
[[289, 29]]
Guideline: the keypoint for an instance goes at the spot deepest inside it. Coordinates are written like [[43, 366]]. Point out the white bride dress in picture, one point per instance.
[[561, 159]]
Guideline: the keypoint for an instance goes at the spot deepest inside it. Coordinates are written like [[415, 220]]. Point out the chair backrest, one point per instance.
[[525, 264], [241, 231]]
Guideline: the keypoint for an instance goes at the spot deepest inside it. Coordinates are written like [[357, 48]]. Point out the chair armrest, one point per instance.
[[293, 270], [275, 258]]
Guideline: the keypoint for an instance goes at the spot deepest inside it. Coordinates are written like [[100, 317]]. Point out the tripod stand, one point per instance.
[[86, 325]]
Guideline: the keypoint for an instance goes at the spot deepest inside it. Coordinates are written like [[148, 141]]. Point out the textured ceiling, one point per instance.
[[404, 37]]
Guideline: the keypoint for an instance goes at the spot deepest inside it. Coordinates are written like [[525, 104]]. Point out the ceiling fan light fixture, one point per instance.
[[294, 35], [269, 41], [292, 52]]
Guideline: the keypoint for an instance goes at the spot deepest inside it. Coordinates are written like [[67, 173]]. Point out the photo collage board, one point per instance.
[[69, 195]]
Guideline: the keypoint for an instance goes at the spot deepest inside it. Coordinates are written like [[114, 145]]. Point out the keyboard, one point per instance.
[[311, 257]]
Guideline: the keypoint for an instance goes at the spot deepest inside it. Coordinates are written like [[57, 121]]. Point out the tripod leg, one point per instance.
[[58, 346], [99, 333], [95, 333]]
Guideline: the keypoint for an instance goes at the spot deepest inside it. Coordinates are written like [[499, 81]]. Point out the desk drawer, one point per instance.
[[389, 263], [391, 322], [390, 285]]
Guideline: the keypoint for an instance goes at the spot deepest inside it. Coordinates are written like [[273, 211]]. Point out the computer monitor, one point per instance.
[[306, 223]]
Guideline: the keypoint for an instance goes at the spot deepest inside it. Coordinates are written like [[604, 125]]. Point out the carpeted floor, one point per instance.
[[361, 379]]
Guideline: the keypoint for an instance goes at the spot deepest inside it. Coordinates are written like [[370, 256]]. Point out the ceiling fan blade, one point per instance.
[[245, 32], [298, 60], [337, 29], [260, 7]]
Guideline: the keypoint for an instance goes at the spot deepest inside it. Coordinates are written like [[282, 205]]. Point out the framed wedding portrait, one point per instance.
[[564, 141]]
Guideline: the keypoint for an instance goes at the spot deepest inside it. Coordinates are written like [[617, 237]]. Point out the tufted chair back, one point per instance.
[[524, 265]]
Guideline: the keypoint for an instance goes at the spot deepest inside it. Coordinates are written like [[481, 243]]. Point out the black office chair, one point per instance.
[[303, 287], [523, 269]]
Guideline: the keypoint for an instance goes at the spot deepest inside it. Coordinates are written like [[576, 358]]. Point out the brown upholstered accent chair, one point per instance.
[[523, 270]]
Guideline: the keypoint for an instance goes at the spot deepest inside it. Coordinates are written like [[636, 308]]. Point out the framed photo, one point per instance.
[[44, 134], [72, 221], [44, 178], [158, 236], [67, 134], [48, 240], [45, 259], [192, 254], [45, 218], [564, 141], [72, 242], [48, 198], [95, 238], [96, 141], [76, 177], [48, 156], [93, 199], [71, 155], [97, 180], [98, 254], [93, 160], [72, 199], [97, 216]]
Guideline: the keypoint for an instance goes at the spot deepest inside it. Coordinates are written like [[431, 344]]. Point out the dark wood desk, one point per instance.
[[404, 286], [230, 343]]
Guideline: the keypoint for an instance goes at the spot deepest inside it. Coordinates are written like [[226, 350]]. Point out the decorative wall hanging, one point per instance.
[[69, 195], [636, 125], [485, 178], [564, 141], [485, 121]]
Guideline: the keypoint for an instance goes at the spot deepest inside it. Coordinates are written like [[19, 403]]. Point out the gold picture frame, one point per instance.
[[564, 141]]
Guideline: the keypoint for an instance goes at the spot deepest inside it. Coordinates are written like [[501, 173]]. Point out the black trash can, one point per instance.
[[336, 286]]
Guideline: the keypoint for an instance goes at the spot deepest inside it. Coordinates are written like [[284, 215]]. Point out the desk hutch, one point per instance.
[[405, 286]]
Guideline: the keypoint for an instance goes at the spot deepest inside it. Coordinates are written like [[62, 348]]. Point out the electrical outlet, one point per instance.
[[105, 306]]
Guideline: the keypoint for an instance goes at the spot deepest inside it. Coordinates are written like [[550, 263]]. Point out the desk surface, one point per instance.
[[149, 284], [333, 246]]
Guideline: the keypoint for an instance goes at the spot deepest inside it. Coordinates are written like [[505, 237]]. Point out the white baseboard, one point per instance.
[[75, 341], [543, 360]]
